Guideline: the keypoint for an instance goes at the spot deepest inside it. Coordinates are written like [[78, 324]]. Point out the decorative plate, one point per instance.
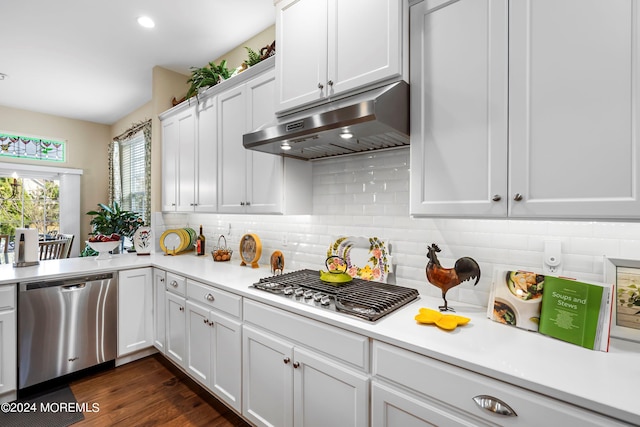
[[250, 250], [366, 257], [171, 241], [142, 240]]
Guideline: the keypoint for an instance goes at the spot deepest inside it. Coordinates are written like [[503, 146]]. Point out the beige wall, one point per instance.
[[86, 144], [237, 56]]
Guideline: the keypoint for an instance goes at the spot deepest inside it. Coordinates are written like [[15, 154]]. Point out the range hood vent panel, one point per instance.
[[378, 118]]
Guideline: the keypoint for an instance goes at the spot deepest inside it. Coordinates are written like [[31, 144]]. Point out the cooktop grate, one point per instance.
[[361, 298]]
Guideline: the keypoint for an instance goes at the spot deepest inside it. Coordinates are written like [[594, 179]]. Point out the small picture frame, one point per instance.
[[625, 274]]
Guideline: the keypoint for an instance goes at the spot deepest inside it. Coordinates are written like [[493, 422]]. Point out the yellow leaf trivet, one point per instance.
[[445, 321]]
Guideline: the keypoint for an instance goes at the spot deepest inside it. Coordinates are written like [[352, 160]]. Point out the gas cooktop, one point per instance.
[[360, 298]]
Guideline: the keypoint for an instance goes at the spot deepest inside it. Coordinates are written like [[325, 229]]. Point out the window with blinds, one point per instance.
[[132, 156]]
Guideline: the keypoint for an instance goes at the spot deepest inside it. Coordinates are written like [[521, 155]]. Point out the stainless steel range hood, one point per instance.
[[376, 119]]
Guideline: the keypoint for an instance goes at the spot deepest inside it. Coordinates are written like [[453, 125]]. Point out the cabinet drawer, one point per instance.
[[335, 342], [7, 297], [176, 284], [216, 298], [455, 387]]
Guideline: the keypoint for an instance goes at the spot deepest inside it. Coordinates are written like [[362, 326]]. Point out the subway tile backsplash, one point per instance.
[[368, 195]]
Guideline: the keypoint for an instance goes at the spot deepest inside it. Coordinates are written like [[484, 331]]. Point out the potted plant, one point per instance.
[[114, 220], [207, 76]]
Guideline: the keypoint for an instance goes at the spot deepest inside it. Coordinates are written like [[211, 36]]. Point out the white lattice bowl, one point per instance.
[[103, 248]]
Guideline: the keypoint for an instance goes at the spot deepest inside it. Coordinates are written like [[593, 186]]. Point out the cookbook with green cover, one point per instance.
[[576, 312]]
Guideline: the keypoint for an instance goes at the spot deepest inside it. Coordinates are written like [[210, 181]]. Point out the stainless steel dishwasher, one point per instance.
[[65, 325]]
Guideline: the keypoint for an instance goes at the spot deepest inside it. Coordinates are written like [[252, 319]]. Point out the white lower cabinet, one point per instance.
[[159, 306], [289, 383], [8, 343], [414, 390], [392, 407], [175, 323], [214, 351], [135, 310]]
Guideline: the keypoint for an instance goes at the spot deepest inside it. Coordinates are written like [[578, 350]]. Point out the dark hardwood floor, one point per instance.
[[150, 392]]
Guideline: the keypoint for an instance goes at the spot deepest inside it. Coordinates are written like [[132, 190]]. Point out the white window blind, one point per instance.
[[132, 173]]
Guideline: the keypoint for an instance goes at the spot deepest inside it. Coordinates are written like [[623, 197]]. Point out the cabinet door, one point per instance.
[[574, 95], [8, 351], [459, 108], [365, 43], [170, 143], [393, 408], [264, 171], [226, 359], [301, 62], [135, 310], [327, 394], [206, 157], [267, 379], [159, 307], [186, 155], [176, 328], [232, 169], [198, 342]]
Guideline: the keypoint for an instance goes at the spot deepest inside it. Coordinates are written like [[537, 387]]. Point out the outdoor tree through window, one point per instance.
[[35, 205]]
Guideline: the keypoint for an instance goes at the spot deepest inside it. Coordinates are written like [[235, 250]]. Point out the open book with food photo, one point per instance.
[[566, 309], [515, 298]]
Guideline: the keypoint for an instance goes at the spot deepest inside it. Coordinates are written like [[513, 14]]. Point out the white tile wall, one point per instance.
[[368, 195]]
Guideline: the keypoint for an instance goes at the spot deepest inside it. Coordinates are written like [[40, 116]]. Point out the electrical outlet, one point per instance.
[[552, 258]]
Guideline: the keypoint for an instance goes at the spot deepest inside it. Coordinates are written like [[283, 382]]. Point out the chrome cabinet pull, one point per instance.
[[517, 197], [495, 405], [248, 203], [205, 321], [162, 280], [330, 83], [286, 360], [174, 283], [496, 198], [209, 297], [296, 365], [320, 86]]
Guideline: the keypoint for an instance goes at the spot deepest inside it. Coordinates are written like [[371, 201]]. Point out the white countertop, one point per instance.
[[602, 382]]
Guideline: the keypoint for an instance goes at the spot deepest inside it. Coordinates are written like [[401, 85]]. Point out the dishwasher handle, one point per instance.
[[71, 281], [69, 288]]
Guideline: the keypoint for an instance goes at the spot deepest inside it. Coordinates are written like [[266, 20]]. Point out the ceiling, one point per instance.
[[90, 60]]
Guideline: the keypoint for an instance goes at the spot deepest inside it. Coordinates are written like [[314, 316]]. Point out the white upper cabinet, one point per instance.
[[329, 47], [178, 154], [459, 108], [251, 181], [525, 108], [232, 169], [574, 108], [264, 171], [205, 185]]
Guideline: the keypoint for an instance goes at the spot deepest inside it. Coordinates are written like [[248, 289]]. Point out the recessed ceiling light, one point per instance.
[[346, 135], [146, 22], [285, 146]]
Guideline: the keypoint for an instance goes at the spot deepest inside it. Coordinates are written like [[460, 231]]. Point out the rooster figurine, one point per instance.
[[446, 278]]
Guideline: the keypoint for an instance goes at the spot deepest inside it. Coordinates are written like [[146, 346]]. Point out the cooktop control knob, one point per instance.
[[308, 294], [298, 292], [325, 300], [317, 296], [288, 290]]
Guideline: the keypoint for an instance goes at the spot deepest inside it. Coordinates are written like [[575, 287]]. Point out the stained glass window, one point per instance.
[[31, 148]]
